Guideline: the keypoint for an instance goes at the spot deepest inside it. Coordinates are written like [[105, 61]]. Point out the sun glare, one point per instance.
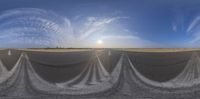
[[100, 42]]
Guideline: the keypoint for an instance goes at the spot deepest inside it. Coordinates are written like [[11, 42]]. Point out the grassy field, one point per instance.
[[121, 49], [57, 50], [160, 49]]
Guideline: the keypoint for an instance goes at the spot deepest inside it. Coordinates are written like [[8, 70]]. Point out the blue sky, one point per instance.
[[117, 23]]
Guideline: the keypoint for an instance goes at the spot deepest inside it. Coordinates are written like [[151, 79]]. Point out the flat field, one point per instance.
[[99, 73]]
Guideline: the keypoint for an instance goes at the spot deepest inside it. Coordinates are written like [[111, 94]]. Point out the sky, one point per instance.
[[100, 23]]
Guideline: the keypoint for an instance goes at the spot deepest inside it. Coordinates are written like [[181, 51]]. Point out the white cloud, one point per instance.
[[174, 27], [120, 37], [41, 28], [31, 25], [194, 30], [128, 41], [193, 24], [196, 38], [91, 19], [95, 25]]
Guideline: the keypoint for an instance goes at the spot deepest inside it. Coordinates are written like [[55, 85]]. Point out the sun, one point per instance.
[[100, 42]]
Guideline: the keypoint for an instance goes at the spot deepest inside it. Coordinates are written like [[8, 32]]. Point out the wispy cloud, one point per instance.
[[194, 30], [174, 27], [193, 24], [196, 38], [40, 28], [95, 25], [130, 41], [120, 37], [31, 25]]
